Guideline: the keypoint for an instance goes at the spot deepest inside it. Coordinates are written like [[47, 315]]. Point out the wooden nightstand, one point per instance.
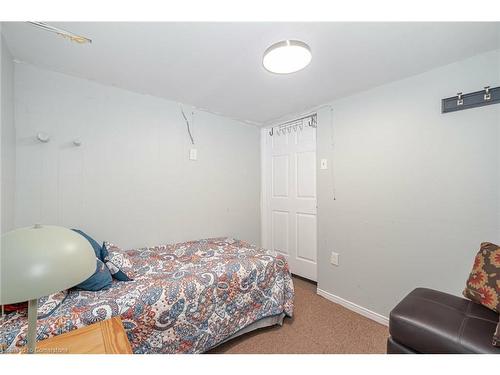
[[106, 337]]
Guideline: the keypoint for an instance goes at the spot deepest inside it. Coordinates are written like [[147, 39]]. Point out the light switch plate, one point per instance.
[[193, 154], [324, 164], [334, 259]]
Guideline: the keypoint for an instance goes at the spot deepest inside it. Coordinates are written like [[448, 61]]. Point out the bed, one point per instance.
[[185, 298]]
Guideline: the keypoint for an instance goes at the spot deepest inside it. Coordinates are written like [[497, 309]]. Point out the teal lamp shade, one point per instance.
[[38, 261]]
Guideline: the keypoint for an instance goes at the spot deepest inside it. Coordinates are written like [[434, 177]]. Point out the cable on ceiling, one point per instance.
[[65, 34]]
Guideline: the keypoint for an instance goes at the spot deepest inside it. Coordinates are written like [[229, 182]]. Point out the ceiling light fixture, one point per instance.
[[287, 56], [65, 34]]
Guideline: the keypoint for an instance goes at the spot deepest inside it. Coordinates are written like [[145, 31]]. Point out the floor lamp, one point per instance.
[[40, 260]]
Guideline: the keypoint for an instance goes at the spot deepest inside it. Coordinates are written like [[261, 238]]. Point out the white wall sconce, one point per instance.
[[43, 137]]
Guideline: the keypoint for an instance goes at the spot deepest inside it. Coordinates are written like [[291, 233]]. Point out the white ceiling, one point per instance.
[[218, 66]]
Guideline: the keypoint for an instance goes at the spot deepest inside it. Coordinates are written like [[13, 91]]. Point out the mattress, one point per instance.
[[262, 323]]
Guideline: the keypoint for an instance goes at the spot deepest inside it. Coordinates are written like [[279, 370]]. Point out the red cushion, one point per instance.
[[15, 307]]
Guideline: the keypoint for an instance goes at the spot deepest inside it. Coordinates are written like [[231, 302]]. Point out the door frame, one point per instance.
[[263, 189]]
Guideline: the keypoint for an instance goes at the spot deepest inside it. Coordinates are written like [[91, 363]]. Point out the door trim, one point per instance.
[[263, 195]]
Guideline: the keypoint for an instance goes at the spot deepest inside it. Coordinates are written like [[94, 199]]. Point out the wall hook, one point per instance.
[[271, 132], [77, 142], [487, 94], [43, 137]]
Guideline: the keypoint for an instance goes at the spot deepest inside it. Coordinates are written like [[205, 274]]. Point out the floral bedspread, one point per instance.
[[185, 298]]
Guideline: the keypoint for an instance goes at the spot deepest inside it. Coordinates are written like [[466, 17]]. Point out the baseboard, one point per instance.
[[353, 307]]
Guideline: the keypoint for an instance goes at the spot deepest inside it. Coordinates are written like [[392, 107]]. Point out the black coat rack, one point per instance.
[[474, 99]]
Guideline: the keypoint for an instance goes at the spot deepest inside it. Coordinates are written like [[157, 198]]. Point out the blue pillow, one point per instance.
[[101, 279], [117, 273], [98, 249]]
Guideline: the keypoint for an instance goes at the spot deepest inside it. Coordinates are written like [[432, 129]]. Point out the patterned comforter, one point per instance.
[[185, 298]]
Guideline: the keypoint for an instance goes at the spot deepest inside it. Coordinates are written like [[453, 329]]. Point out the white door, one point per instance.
[[290, 198]]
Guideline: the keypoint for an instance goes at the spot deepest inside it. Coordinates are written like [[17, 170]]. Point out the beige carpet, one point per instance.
[[318, 326]]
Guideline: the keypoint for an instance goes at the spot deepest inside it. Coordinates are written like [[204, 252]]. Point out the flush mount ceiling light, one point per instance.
[[287, 56]]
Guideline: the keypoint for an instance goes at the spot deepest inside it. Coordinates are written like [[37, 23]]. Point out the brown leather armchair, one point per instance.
[[429, 321]]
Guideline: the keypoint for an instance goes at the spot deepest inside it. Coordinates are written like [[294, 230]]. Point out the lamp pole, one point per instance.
[[32, 315]]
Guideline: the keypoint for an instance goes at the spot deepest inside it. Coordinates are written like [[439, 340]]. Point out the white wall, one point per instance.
[[131, 181], [8, 152], [416, 190]]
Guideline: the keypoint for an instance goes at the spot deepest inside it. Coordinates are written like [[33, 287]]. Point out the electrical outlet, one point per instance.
[[334, 258], [324, 164], [193, 154]]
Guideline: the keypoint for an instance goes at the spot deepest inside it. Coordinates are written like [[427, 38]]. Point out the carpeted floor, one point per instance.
[[318, 326]]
